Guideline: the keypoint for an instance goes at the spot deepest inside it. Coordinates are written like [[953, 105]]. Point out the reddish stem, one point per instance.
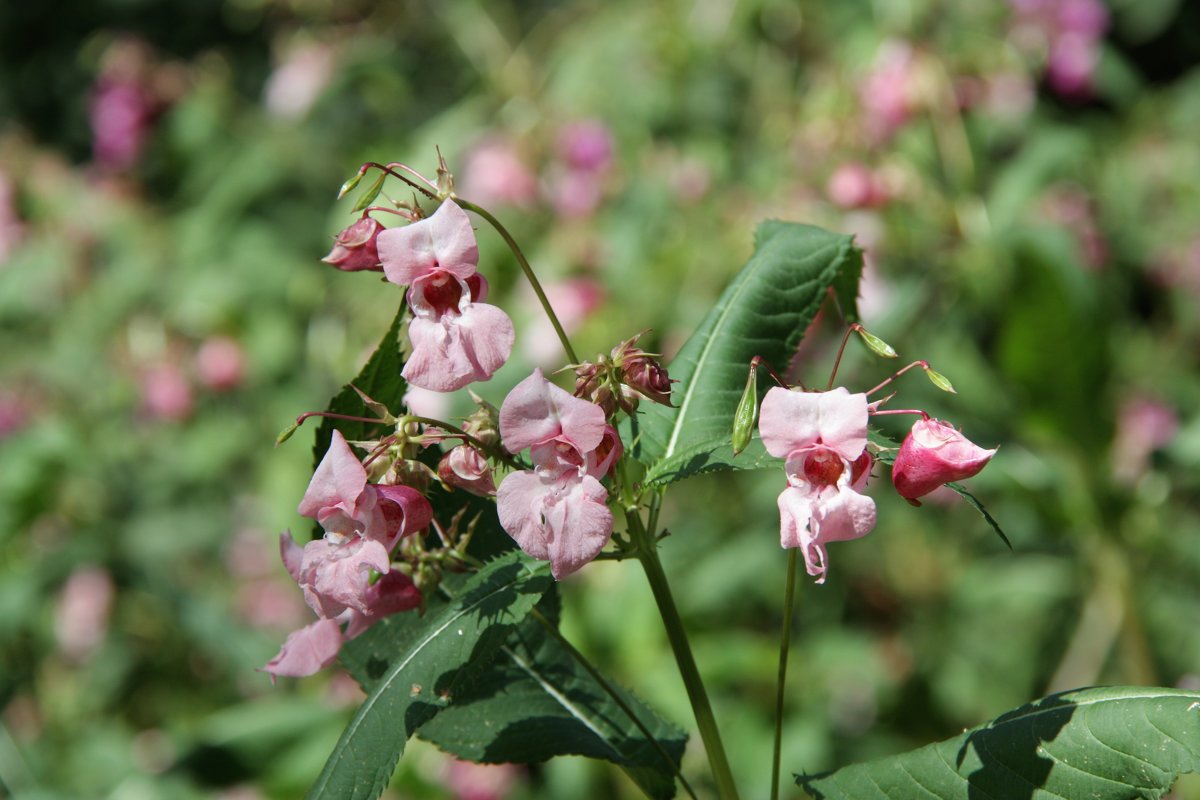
[[300, 419], [897, 374], [759, 361], [900, 411], [837, 362]]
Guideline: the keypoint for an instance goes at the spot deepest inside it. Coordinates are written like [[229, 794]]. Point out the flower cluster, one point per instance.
[[823, 438], [363, 523]]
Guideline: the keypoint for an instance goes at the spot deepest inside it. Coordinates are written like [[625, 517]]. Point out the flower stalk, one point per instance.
[[706, 722]]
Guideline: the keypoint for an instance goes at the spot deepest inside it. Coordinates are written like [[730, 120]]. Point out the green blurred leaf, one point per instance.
[[1114, 743], [537, 702], [414, 667], [764, 311], [983, 512], [379, 379]]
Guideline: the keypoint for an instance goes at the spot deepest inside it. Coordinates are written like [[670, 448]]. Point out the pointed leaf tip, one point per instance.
[[939, 380], [877, 346]]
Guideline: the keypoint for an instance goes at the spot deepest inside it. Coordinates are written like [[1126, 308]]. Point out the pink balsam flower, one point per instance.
[[823, 437], [558, 510], [456, 338], [362, 523], [933, 454]]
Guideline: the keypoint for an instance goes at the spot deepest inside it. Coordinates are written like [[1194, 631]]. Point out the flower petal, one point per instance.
[[791, 421], [336, 496], [935, 453], [308, 650], [537, 411], [457, 350], [564, 520], [335, 576], [443, 241]]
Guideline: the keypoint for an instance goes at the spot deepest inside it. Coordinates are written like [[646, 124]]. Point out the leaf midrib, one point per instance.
[[394, 673]]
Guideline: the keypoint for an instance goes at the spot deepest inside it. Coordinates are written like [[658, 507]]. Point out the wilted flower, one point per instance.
[[933, 454], [823, 437], [356, 247], [558, 510], [456, 338]]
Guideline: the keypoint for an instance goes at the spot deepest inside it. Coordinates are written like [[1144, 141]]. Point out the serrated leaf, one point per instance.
[[413, 677], [536, 702], [764, 311], [1115, 743]]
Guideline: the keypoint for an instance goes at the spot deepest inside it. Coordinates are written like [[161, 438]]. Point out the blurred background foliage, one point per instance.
[[1025, 179]]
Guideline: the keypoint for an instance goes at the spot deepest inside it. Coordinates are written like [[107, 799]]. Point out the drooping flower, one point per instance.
[[465, 467], [356, 247], [558, 510], [823, 437], [456, 337], [933, 454], [362, 523]]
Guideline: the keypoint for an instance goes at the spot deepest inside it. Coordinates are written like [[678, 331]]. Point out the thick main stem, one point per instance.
[[785, 638], [528, 270], [705, 721]]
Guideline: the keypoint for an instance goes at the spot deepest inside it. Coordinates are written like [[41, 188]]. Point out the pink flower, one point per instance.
[[823, 437], [456, 338], [933, 454], [362, 523], [220, 363], [355, 248], [84, 607], [468, 781], [558, 510], [586, 146], [166, 393], [494, 173], [308, 650], [466, 468], [854, 185]]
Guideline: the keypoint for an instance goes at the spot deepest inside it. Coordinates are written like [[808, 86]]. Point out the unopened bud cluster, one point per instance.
[[621, 379]]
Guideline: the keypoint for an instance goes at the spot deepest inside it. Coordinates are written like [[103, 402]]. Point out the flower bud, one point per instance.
[[641, 371], [466, 468], [933, 454], [484, 422], [355, 248]]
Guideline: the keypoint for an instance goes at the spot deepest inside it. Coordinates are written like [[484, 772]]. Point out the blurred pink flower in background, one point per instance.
[[586, 146], [494, 173], [573, 301], [166, 393], [294, 86], [585, 150], [1144, 424], [888, 93], [84, 606], [12, 229], [13, 413], [220, 363], [123, 105], [855, 185], [470, 781], [1071, 207], [1068, 33]]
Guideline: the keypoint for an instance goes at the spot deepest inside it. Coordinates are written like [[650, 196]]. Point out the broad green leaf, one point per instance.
[[1115, 743], [412, 677], [764, 311], [380, 379], [535, 702]]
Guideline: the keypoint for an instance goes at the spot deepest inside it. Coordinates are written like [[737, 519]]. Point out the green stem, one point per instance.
[[528, 270], [785, 638], [677, 636], [582, 660]]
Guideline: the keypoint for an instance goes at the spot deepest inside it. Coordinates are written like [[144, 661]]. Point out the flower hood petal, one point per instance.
[[442, 241], [537, 411], [791, 421]]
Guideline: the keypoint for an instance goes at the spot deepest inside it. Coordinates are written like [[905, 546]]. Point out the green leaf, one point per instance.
[[536, 702], [764, 311], [380, 379], [414, 667], [983, 512], [1114, 743]]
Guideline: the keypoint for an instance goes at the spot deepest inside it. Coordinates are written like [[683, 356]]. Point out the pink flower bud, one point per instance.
[[935, 453], [355, 248], [466, 468]]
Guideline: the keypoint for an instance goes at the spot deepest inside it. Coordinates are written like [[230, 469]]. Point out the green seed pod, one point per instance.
[[939, 380], [878, 346], [746, 414]]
